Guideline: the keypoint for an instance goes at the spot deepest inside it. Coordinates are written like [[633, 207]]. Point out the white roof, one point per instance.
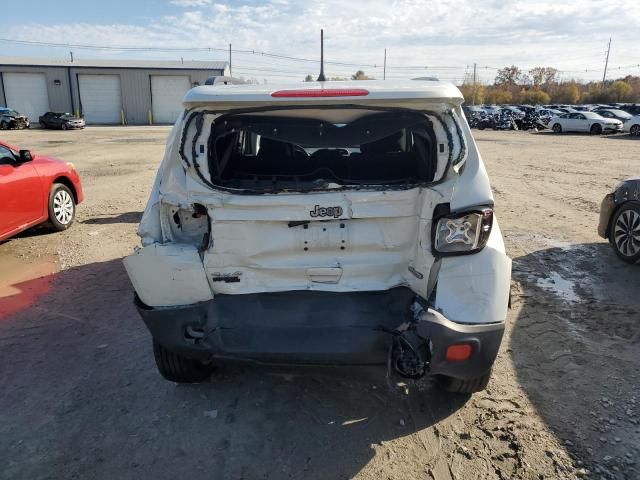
[[107, 63], [409, 93]]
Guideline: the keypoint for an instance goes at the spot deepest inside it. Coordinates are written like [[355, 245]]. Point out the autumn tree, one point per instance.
[[360, 75], [543, 76], [568, 93], [534, 97], [508, 76], [620, 91]]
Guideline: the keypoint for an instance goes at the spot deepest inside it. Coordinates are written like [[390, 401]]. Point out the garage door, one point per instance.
[[167, 92], [100, 98], [27, 93]]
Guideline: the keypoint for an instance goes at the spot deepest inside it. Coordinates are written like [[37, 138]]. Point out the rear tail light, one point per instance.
[[462, 232], [322, 92]]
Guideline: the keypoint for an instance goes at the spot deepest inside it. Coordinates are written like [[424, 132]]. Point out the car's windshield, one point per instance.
[[66, 115], [10, 112]]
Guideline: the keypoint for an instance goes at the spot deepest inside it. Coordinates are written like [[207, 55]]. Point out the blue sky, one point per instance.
[[446, 37]]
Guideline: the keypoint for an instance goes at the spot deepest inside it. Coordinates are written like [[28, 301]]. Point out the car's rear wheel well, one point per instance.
[[69, 184]]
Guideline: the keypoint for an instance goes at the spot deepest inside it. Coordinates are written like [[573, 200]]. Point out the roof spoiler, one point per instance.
[[224, 80]]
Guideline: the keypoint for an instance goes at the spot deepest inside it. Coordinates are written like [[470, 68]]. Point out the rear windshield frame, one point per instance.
[[197, 115]]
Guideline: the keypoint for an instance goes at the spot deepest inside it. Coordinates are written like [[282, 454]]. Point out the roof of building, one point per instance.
[[108, 63], [419, 92]]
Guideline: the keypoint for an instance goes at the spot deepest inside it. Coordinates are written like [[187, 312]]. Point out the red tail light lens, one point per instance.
[[322, 92], [458, 353]]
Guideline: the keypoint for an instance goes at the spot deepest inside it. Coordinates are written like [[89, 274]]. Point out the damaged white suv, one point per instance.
[[345, 223]]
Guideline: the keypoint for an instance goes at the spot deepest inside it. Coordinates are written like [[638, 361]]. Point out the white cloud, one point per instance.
[[190, 3], [571, 36]]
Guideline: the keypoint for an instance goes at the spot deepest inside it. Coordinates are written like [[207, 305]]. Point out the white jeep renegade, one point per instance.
[[339, 223]]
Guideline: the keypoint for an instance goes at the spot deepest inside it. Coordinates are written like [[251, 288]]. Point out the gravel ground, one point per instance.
[[81, 397]]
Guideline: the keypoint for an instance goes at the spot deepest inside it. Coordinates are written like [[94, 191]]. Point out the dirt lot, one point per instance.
[[81, 397]]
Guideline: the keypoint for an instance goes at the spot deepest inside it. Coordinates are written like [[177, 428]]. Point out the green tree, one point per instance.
[[308, 78]]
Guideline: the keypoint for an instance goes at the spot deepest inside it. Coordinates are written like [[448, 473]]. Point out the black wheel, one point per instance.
[[3, 125], [62, 207], [456, 385], [557, 128], [64, 126], [625, 232], [179, 369], [596, 129], [635, 131], [481, 126]]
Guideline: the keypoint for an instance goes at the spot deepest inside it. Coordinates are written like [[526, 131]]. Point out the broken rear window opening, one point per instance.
[[322, 149]]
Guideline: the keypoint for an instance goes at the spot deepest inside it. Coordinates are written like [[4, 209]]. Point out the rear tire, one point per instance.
[[457, 385], [635, 131], [624, 233], [179, 369], [64, 126], [557, 128], [596, 129], [3, 125]]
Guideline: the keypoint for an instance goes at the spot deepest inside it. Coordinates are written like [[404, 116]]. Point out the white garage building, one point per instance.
[[132, 92]]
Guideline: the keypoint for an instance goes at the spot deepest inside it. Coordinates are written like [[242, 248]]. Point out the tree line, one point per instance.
[[538, 86], [542, 85]]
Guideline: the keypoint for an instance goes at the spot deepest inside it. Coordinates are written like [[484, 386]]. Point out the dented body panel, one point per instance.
[[214, 255]]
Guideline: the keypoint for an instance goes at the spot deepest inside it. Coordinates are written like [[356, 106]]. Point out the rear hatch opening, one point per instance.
[[314, 149]]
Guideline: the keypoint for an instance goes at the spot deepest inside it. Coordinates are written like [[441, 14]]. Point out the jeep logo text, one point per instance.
[[319, 211]]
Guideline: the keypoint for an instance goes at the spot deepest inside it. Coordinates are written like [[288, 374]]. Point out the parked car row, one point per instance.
[[594, 119], [12, 119]]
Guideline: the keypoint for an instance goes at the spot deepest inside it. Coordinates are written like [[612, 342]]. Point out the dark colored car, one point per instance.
[[36, 189], [620, 219], [632, 109], [10, 118], [63, 121]]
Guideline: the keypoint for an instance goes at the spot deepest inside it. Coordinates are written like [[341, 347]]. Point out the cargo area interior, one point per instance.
[[311, 148]]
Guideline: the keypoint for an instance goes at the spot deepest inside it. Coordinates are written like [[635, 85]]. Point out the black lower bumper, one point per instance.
[[319, 328]]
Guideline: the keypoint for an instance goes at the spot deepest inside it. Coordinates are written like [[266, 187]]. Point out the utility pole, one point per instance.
[[384, 70], [474, 83], [230, 70], [606, 63], [321, 77], [71, 55]]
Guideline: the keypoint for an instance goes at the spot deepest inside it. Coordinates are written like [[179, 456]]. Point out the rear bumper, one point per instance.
[[318, 328], [606, 210]]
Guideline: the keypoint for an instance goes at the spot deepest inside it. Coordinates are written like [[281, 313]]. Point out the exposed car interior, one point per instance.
[[367, 147]]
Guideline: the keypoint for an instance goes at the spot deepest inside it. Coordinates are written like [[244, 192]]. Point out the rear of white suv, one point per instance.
[[339, 224]]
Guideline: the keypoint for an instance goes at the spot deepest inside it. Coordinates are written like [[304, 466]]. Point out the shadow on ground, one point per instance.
[[576, 351], [128, 217], [82, 399]]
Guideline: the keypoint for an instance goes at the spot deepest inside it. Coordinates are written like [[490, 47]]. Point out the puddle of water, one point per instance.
[[559, 286], [22, 282]]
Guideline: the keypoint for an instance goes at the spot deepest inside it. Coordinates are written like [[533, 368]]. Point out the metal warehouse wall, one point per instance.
[[135, 85]]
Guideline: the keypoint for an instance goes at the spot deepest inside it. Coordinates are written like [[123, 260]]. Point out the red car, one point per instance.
[[35, 189]]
